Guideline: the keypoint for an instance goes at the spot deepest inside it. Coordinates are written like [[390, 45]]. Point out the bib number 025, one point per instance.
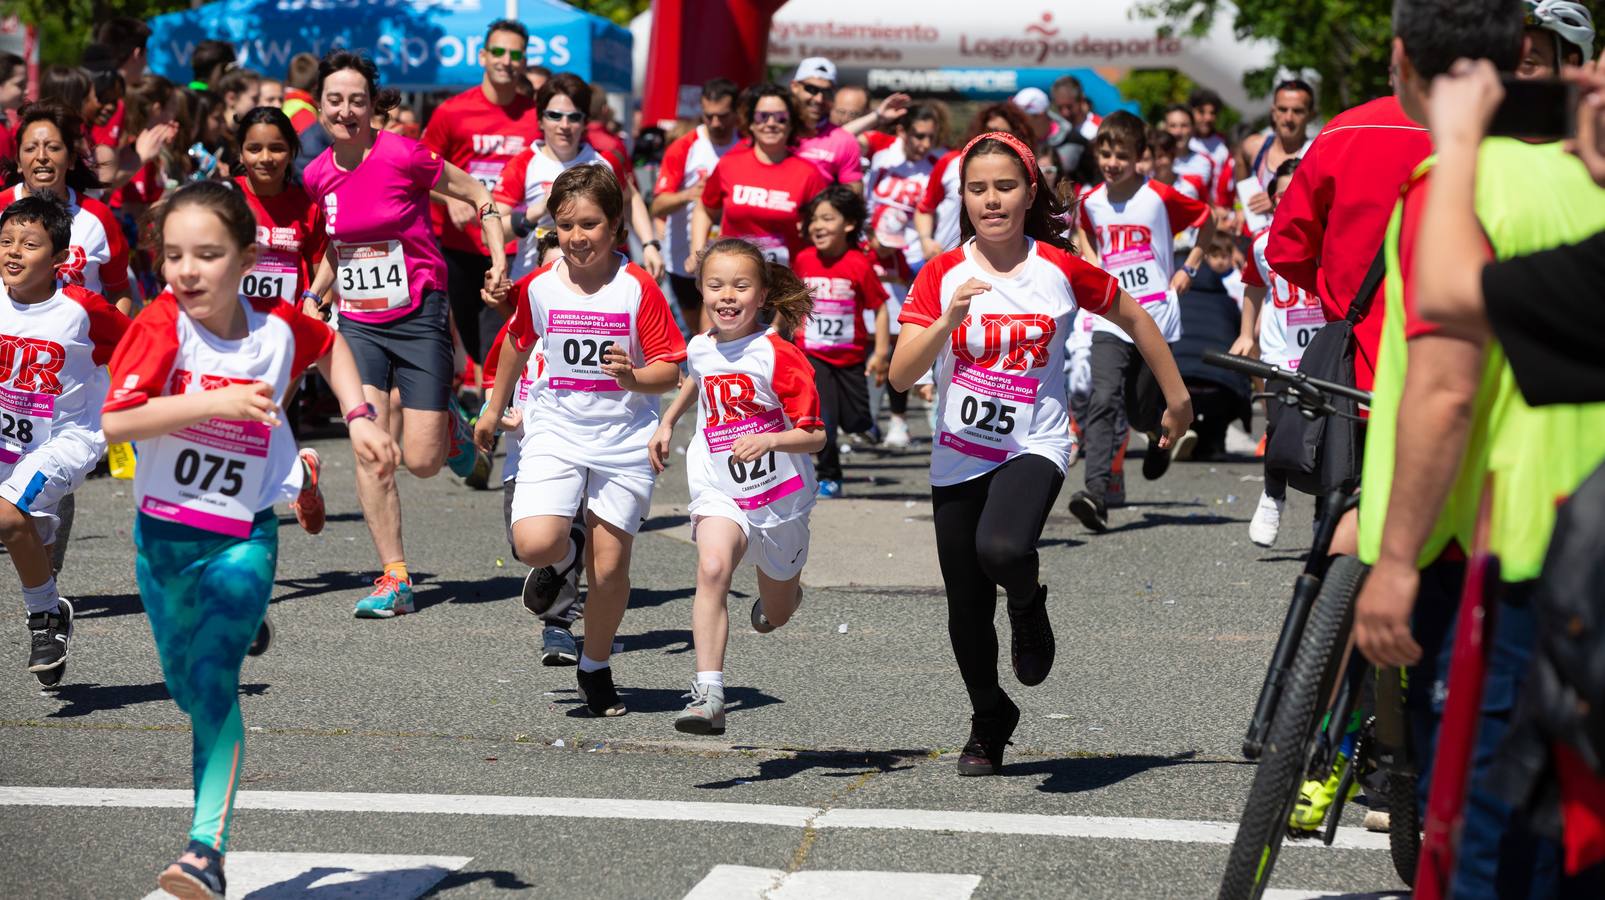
[[987, 415], [193, 465], [585, 351], [761, 467]]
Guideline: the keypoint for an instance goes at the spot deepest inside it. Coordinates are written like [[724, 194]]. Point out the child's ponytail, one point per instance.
[[788, 299]]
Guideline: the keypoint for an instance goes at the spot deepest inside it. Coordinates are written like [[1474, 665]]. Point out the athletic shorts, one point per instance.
[[477, 324], [37, 483], [687, 295], [412, 353], [549, 486], [779, 551]]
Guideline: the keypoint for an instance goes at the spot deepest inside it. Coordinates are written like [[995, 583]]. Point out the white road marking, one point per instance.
[[748, 883], [1095, 827], [347, 876], [1296, 894]]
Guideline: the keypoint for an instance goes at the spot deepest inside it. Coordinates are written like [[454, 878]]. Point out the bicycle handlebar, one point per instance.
[[1308, 392]]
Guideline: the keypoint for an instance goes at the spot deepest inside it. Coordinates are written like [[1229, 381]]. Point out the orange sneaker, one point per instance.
[[1259, 451], [308, 504]]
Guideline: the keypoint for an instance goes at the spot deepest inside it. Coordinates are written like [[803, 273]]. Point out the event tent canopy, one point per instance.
[[417, 44]]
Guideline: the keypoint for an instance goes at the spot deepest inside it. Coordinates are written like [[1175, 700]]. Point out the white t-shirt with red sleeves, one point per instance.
[[479, 137], [1198, 164], [98, 255], [894, 188], [1290, 315], [51, 376], [762, 202], [943, 198], [843, 289], [527, 180], [1000, 379], [687, 161], [215, 475], [755, 385], [1136, 242], [581, 415]]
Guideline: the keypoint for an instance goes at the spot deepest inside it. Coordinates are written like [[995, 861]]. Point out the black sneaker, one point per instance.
[[479, 478], [542, 586], [51, 632], [187, 881], [983, 753], [596, 689], [264, 637], [1090, 510], [1155, 460], [1031, 643]]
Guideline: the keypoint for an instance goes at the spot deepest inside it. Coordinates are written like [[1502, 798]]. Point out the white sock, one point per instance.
[[588, 665], [567, 561], [712, 679], [42, 598]]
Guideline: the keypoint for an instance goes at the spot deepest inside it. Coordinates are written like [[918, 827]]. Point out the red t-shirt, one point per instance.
[[111, 133], [762, 202], [606, 142], [289, 232], [1330, 222], [305, 109], [145, 187], [843, 288], [479, 137]]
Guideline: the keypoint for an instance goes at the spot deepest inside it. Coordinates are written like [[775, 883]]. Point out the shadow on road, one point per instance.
[[329, 582], [389, 883], [289, 521], [431, 593], [847, 763], [662, 700], [1076, 774], [106, 606], [641, 598], [659, 523], [83, 699], [1156, 520], [677, 638]]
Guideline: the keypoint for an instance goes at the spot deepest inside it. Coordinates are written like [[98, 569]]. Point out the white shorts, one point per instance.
[[549, 486], [36, 483], [779, 551]]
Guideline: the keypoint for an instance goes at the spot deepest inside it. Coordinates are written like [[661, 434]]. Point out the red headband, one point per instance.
[[1015, 144]]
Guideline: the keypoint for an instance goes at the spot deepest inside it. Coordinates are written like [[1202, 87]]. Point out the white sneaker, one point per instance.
[[1075, 451], [1267, 521], [896, 434]]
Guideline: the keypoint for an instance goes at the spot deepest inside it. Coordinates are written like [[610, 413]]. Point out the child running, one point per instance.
[[841, 277], [1134, 222], [611, 345], [198, 384], [751, 481], [991, 316], [50, 398]]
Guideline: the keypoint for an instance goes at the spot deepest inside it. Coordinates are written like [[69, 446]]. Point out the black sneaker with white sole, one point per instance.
[[264, 637], [542, 586], [51, 631], [1090, 510], [596, 689]]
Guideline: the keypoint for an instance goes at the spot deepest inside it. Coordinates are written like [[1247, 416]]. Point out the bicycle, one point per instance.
[[1288, 734]]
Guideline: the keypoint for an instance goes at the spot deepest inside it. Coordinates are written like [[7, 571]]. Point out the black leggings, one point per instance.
[[986, 537]]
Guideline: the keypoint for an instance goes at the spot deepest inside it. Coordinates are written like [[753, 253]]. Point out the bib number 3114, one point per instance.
[[371, 277]]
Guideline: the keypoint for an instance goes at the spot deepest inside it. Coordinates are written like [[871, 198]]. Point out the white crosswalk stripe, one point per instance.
[[749, 883]]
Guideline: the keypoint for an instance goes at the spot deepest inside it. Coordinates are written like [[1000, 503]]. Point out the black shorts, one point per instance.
[[477, 324], [688, 296], [843, 396], [412, 353]]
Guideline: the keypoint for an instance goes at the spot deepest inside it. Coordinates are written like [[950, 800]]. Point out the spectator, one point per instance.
[[1292, 107], [241, 92], [602, 131], [271, 93], [1062, 150], [1207, 139], [301, 78], [125, 37], [1191, 160], [937, 217], [1070, 102], [404, 121], [832, 149], [686, 166], [209, 60], [105, 129], [852, 102], [13, 91], [72, 87]]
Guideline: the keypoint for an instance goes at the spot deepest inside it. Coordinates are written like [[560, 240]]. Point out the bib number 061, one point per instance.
[[987, 415], [193, 465]]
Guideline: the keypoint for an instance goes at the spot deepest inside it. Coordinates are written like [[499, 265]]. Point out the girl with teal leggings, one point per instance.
[[198, 380]]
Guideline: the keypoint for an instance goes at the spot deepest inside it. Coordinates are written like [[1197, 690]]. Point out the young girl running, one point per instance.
[[749, 471], [611, 344], [841, 277], [991, 315], [197, 383]]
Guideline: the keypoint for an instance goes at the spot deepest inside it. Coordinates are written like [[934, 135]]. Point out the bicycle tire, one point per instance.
[[1281, 768], [1404, 825]]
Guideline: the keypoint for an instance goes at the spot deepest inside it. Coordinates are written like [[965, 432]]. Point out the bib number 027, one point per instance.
[[585, 351], [194, 465], [741, 472], [987, 415]]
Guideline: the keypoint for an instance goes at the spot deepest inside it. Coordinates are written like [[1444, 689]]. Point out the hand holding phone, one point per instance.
[[1543, 109]]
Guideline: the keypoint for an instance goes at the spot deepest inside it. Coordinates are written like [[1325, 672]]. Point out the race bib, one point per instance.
[[761, 481], [831, 326], [773, 249], [487, 171], [1302, 324], [208, 476], [987, 414], [1139, 274], [371, 277], [576, 342], [25, 421], [273, 277]]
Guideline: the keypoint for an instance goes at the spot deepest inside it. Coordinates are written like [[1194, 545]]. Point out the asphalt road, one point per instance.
[[433, 753]]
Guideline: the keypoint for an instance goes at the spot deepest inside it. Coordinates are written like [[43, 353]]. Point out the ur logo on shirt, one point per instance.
[[72, 271], [767, 198], [829, 288], [180, 381], [730, 398], [31, 364], [1005, 341], [278, 238], [498, 144], [1115, 238]]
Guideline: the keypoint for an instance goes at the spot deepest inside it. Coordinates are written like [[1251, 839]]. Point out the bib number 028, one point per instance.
[[741, 472], [193, 465], [370, 278], [18, 429], [987, 415], [585, 351]]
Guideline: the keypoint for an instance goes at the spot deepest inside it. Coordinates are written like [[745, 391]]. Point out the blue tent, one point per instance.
[[417, 44]]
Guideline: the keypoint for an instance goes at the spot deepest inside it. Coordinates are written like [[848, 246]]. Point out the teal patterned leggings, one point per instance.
[[205, 595]]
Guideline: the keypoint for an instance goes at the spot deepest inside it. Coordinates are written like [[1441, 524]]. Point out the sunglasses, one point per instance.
[[574, 118], [765, 118], [500, 52], [815, 90]]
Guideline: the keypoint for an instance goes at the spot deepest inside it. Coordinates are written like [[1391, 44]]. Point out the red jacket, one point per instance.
[[1330, 222]]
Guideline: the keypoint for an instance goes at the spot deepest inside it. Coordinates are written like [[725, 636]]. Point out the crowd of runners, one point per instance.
[[180, 258]]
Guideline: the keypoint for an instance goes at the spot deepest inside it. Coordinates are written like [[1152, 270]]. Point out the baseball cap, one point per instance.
[[1032, 101], [820, 67]]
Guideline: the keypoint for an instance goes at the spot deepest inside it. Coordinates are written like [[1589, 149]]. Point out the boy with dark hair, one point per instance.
[[299, 81], [208, 61], [51, 408], [125, 38]]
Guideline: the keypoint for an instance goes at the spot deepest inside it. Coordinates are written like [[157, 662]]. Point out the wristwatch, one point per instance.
[[655, 244], [1192, 271], [365, 411]]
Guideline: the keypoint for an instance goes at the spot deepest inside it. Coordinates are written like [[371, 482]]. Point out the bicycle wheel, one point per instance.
[[1404, 825], [1293, 734]]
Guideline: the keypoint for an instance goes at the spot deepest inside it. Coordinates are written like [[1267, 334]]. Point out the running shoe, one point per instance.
[[983, 752], [829, 489], [896, 434], [264, 637], [1185, 446], [1031, 640], [463, 456], [186, 880], [1075, 451], [1267, 521], [544, 585], [51, 631], [479, 479], [558, 647], [1316, 797], [391, 597], [1090, 510], [596, 689], [705, 713], [1259, 449], [760, 623], [1156, 460], [308, 505]]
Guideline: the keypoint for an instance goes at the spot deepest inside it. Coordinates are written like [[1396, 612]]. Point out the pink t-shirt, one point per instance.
[[834, 151], [380, 241]]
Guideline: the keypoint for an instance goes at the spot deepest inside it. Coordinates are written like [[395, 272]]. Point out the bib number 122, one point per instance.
[[193, 465], [987, 415]]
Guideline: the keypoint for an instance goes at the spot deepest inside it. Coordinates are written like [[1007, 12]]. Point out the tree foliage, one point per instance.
[[1154, 89], [65, 26], [620, 11]]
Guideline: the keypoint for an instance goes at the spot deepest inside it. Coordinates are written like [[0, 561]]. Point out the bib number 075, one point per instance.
[[193, 465], [987, 415]]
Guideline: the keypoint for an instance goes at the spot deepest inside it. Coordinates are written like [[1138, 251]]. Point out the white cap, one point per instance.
[[820, 67], [1032, 101]]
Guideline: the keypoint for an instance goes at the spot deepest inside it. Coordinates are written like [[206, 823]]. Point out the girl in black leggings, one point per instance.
[[991, 316]]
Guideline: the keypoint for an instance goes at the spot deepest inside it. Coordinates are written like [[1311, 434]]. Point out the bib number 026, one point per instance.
[[194, 465], [741, 472], [987, 415], [584, 351], [370, 278]]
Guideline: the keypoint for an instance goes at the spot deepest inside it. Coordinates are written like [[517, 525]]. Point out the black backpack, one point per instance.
[[1321, 455]]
